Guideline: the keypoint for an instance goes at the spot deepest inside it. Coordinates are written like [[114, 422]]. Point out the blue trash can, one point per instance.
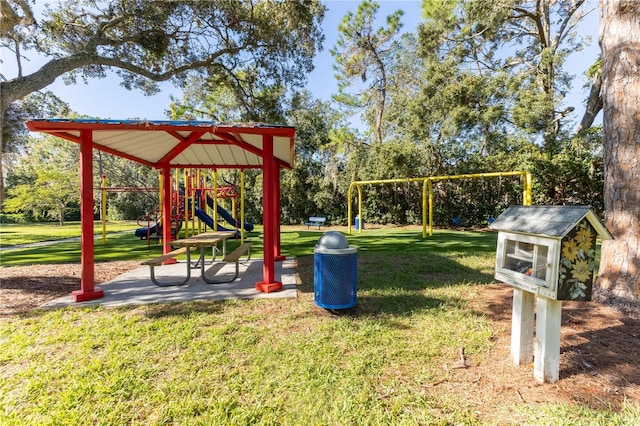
[[359, 223], [335, 272]]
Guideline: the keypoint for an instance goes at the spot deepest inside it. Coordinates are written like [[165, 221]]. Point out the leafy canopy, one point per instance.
[[146, 42]]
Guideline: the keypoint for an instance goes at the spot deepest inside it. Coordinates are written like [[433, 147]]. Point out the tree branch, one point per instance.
[[594, 103], [11, 19], [562, 31], [17, 88]]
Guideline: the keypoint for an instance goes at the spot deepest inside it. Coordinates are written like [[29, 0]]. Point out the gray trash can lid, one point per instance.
[[333, 242]]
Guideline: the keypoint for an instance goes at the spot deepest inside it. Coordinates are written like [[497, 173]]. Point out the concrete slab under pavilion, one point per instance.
[[135, 287]]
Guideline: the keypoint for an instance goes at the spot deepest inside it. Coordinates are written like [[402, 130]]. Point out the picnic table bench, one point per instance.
[[234, 256], [202, 241], [158, 261], [318, 221]]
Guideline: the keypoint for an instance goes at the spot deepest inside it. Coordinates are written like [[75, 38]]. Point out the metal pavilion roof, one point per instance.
[[178, 144]]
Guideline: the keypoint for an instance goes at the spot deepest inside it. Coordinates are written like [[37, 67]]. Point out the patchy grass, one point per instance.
[[237, 362], [276, 361]]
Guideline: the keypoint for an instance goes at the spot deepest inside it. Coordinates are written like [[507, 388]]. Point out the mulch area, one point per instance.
[[26, 287], [599, 358]]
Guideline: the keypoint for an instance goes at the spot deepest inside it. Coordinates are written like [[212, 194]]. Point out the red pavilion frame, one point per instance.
[[164, 145]]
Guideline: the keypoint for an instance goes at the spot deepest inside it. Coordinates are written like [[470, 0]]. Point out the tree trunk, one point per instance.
[[619, 275], [1, 158], [382, 99]]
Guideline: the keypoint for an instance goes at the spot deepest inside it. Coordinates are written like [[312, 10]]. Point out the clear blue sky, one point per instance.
[[106, 99]]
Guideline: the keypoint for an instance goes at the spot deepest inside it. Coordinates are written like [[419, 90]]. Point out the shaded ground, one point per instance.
[[27, 287], [600, 349]]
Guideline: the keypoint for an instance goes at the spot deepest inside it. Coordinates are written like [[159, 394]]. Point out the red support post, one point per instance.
[[166, 212], [269, 218], [87, 280], [278, 214]]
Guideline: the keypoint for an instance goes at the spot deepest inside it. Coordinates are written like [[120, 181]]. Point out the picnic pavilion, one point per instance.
[[165, 145]]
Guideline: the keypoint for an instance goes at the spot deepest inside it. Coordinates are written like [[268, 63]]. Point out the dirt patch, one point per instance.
[[27, 287], [598, 361]]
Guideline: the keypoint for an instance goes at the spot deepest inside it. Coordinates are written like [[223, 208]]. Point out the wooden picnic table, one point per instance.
[[206, 240], [203, 242]]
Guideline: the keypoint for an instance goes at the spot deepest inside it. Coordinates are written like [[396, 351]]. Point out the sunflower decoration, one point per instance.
[[570, 250], [581, 271], [577, 263], [584, 237]]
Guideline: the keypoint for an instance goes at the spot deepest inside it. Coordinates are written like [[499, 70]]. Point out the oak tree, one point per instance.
[[45, 180], [146, 42]]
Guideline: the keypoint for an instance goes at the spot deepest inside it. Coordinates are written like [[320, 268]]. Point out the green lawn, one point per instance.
[[12, 234], [274, 361]]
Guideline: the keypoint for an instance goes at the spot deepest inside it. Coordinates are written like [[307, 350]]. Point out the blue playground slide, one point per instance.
[[155, 229], [203, 216], [142, 232], [248, 226]]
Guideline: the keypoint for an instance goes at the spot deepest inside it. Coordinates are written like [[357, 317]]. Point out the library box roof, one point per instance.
[[551, 221]]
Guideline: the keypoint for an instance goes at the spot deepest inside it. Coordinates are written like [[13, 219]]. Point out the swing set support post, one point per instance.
[[527, 192], [427, 193], [350, 209]]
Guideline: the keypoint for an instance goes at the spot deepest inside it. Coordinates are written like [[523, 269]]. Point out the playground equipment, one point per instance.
[[189, 201], [152, 229], [208, 220], [201, 202], [155, 231], [103, 208], [228, 217], [427, 193]]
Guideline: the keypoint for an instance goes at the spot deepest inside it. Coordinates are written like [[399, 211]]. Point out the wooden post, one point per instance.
[[546, 362], [522, 321]]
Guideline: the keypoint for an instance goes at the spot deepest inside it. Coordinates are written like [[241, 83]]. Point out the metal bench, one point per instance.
[[318, 221]]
